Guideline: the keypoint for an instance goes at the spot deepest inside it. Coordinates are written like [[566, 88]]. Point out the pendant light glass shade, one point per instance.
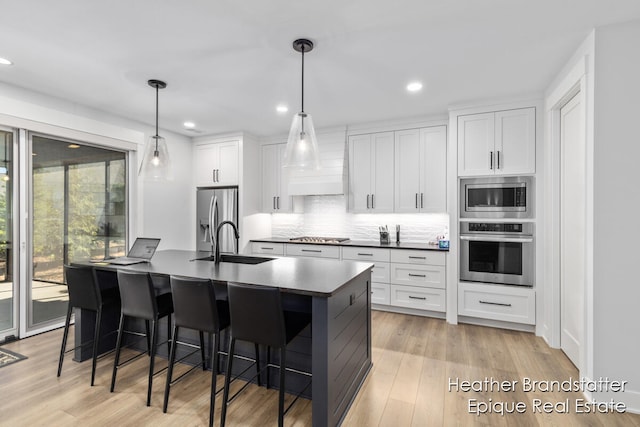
[[301, 152], [156, 164]]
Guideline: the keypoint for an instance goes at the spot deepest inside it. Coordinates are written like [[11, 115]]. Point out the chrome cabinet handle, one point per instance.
[[278, 202], [364, 254], [274, 202], [213, 175], [417, 257], [422, 200], [498, 152], [494, 303], [491, 160], [421, 298], [367, 201], [417, 275], [311, 250], [373, 203], [416, 200], [266, 248]]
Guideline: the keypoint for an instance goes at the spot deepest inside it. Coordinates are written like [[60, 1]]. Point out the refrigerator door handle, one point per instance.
[[213, 216]]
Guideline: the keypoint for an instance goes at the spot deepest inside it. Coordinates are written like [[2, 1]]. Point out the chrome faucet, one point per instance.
[[216, 256]]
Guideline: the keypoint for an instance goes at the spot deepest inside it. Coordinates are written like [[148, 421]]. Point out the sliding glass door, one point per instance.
[[8, 284], [78, 212]]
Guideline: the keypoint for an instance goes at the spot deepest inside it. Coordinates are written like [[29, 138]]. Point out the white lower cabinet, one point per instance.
[[266, 248], [314, 251], [496, 302], [420, 298], [380, 293]]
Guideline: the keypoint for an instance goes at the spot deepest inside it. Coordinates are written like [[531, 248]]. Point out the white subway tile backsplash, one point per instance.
[[327, 216]]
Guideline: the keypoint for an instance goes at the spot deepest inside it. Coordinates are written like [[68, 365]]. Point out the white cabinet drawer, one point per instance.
[[267, 248], [432, 276], [365, 254], [380, 293], [417, 297], [417, 257], [381, 272], [317, 251], [497, 302]]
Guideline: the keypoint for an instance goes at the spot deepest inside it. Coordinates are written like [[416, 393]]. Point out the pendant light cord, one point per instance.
[[303, 46], [156, 138]]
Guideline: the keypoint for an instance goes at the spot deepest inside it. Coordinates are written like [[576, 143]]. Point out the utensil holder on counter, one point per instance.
[[384, 238]]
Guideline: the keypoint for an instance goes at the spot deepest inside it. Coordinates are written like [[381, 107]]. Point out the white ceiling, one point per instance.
[[228, 63]]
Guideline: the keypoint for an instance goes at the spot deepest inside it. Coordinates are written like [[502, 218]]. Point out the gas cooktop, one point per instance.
[[313, 239]]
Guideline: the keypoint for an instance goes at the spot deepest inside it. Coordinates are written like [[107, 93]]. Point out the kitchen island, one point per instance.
[[340, 301]]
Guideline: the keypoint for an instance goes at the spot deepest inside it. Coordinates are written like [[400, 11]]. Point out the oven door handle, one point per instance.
[[498, 239]]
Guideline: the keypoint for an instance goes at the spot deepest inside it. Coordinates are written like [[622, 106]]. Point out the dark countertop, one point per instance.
[[306, 276], [359, 243]]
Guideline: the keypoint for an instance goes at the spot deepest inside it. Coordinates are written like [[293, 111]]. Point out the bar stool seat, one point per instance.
[[139, 300], [85, 294], [257, 316]]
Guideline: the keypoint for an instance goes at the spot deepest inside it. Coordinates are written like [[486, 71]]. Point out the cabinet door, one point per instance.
[[407, 170], [515, 141], [476, 144], [270, 165], [383, 167], [433, 169], [228, 163], [283, 200], [360, 172], [206, 162]]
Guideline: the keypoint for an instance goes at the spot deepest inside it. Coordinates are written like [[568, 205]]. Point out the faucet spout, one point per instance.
[[216, 255]]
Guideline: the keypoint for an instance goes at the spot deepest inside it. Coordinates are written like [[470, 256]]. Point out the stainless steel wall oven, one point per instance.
[[496, 197], [500, 253]]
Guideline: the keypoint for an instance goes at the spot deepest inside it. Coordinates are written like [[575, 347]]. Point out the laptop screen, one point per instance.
[[143, 248]]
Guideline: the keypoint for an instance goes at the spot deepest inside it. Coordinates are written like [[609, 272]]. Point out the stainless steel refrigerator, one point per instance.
[[215, 205]]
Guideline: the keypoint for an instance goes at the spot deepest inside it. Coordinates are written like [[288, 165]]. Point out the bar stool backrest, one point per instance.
[[83, 287], [256, 314], [194, 304], [137, 295]]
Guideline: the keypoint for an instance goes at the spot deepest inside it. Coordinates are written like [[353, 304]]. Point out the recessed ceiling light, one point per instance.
[[4, 61], [189, 125], [414, 86], [282, 109], [73, 146]]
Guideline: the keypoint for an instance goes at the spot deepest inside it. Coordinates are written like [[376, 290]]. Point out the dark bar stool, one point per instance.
[[139, 300], [85, 293], [195, 307], [257, 316]]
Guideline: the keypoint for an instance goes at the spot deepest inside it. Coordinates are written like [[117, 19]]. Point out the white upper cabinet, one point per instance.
[[497, 143], [371, 172], [217, 164], [274, 184], [420, 170]]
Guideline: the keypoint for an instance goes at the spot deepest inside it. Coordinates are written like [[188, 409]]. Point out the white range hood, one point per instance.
[[331, 178]]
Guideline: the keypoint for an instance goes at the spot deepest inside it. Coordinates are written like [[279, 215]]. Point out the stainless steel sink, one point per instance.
[[237, 259]]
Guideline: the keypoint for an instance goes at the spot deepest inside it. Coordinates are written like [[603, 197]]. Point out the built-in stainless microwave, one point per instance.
[[496, 197]]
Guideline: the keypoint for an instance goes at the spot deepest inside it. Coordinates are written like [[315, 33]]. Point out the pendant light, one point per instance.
[[156, 164], [301, 152]]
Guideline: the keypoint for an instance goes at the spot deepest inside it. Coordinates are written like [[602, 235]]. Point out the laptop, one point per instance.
[[141, 251]]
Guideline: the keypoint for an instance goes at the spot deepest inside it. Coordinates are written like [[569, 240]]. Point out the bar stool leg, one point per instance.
[[172, 359], [154, 333], [146, 327], [283, 371], [204, 360], [117, 358], [214, 378], [258, 364], [96, 343], [65, 334], [227, 380]]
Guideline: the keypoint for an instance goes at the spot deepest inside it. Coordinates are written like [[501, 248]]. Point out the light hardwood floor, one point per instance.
[[414, 358]]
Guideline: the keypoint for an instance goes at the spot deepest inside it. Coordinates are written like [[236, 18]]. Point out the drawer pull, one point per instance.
[[364, 254], [312, 250], [421, 298], [417, 275], [494, 303], [417, 257], [266, 248]]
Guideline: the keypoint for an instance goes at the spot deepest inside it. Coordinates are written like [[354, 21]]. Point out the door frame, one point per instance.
[[577, 81]]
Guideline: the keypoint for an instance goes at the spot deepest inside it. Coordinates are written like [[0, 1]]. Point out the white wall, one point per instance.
[[616, 207]]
